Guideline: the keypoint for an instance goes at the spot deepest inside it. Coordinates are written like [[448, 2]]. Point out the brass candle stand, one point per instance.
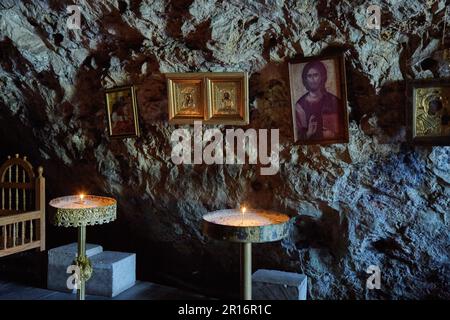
[[81, 211], [246, 227]]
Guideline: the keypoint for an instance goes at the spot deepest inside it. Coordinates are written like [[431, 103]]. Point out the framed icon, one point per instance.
[[319, 99], [429, 112], [122, 113], [212, 97], [227, 98], [186, 98]]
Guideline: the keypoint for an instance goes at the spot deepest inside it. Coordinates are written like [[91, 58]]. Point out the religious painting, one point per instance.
[[227, 98], [121, 110], [212, 97], [429, 114], [186, 98], [319, 100]]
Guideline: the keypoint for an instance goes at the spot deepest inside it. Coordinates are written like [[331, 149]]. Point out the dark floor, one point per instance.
[[141, 291]]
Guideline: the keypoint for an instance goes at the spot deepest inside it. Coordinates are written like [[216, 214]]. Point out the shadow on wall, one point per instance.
[[329, 231]]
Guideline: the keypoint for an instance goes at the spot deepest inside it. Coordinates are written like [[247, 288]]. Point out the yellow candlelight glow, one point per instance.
[[243, 209], [81, 197]]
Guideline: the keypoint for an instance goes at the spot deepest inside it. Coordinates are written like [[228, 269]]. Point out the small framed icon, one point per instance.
[[122, 112], [227, 98], [186, 98], [429, 112]]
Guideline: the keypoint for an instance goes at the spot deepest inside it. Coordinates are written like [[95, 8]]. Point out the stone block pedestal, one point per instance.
[[113, 272], [279, 285]]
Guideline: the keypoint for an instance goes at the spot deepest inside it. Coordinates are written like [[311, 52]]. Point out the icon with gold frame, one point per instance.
[[213, 97], [121, 110], [429, 116], [227, 98], [186, 98]]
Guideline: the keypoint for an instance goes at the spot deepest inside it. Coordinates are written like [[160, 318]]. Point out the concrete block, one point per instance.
[[60, 258], [278, 285], [71, 250], [114, 272]]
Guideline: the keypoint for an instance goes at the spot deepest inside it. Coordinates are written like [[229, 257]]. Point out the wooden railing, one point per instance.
[[20, 232], [22, 207]]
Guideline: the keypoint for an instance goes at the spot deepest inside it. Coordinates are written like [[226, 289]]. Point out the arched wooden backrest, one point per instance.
[[17, 184]]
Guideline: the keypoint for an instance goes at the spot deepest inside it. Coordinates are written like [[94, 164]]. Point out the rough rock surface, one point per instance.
[[374, 201]]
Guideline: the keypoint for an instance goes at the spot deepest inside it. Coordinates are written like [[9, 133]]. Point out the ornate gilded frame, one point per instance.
[[417, 92], [236, 82], [176, 83], [205, 102]]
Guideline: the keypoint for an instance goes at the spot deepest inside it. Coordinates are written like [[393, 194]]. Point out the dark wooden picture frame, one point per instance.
[[326, 125], [428, 111], [122, 112]]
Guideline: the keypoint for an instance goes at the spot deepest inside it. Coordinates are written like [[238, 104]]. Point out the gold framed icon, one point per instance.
[[429, 113], [212, 97], [227, 98]]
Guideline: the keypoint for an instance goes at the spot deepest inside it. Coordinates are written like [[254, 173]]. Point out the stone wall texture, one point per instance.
[[377, 200]]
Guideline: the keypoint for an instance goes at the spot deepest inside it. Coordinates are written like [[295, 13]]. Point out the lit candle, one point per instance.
[[81, 198], [243, 209]]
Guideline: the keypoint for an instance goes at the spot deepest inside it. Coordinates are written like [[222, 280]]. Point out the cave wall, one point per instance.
[[377, 200]]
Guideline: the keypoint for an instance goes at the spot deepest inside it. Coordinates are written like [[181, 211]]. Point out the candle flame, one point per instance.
[[243, 209], [81, 196]]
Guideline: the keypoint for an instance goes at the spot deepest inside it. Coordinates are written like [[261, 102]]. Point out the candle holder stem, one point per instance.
[[82, 256], [246, 271]]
